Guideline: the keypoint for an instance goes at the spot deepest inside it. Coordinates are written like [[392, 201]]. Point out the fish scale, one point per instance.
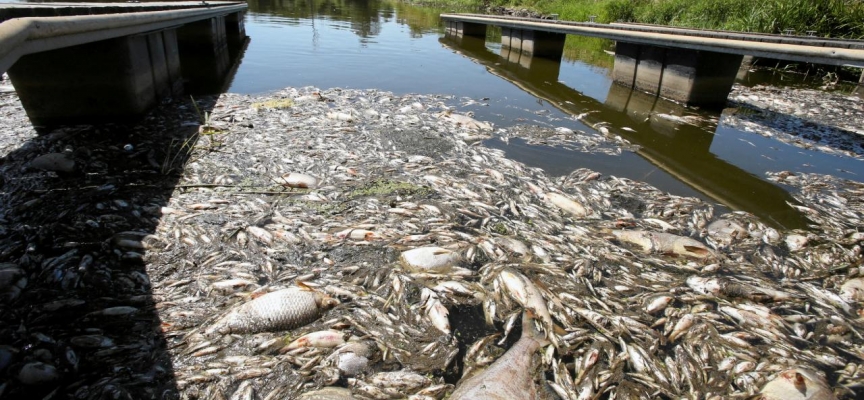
[[275, 311]]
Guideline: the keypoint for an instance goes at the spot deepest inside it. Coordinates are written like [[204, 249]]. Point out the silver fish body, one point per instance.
[[276, 311], [328, 393]]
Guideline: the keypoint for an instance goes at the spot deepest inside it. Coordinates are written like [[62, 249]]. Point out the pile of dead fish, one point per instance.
[[358, 244], [828, 122]]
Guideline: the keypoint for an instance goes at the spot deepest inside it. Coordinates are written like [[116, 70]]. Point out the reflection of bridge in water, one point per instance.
[[679, 148]]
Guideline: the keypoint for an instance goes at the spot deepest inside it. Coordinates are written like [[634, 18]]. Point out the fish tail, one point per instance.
[[529, 328]]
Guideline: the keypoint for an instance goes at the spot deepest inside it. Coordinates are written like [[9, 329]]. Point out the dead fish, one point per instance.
[[853, 290], [328, 338], [513, 246], [526, 294], [404, 381], [436, 311], [730, 288], [352, 358], [275, 311], [429, 259], [512, 375], [664, 243], [466, 121], [657, 303], [567, 204], [328, 393], [298, 180], [797, 384]]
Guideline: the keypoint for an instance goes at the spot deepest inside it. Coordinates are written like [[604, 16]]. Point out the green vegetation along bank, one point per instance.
[[827, 18]]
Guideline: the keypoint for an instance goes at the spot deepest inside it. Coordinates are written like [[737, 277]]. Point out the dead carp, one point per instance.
[[797, 384], [275, 311], [512, 375], [664, 243]]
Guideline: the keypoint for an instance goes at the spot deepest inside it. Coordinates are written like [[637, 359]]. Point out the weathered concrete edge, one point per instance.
[[22, 36], [811, 54]]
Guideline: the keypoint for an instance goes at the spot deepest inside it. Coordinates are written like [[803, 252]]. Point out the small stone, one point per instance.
[[36, 373], [56, 162]]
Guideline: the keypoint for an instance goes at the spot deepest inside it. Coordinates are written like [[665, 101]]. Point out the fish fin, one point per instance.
[[697, 250], [304, 286], [529, 329]]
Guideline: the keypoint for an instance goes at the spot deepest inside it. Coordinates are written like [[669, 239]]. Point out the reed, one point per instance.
[[828, 18]]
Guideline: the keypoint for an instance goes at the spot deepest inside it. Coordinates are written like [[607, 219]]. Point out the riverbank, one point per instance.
[[155, 230]]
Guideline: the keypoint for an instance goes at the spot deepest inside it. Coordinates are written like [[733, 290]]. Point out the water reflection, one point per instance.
[[670, 136], [363, 17]]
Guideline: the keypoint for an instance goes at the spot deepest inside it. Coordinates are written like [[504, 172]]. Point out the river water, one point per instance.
[[401, 48]]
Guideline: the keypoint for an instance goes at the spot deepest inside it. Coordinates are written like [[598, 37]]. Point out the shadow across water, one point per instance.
[[672, 141], [78, 314]]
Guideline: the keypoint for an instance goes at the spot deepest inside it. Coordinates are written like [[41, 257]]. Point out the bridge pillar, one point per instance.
[[459, 29], [235, 27], [689, 76], [110, 80], [204, 54], [534, 43]]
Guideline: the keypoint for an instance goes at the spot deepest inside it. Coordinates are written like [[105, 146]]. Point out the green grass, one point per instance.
[[829, 18]]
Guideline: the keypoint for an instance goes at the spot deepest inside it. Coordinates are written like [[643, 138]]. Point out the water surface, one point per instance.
[[396, 47]]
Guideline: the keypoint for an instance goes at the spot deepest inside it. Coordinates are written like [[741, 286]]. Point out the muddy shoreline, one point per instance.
[[120, 251]]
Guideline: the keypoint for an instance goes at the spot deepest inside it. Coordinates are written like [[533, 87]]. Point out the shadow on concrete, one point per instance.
[[680, 147], [78, 309]]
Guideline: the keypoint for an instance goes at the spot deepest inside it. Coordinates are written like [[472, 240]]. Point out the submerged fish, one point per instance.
[[275, 311], [512, 375]]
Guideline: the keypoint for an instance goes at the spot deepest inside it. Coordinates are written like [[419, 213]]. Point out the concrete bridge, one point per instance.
[[692, 66], [86, 62], [681, 149]]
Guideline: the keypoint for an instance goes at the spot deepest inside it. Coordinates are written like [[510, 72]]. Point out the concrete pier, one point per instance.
[[689, 76], [204, 54], [534, 43], [110, 80], [460, 29], [116, 66], [695, 67]]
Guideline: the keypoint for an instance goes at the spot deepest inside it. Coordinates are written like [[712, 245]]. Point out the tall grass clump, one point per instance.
[[829, 18]]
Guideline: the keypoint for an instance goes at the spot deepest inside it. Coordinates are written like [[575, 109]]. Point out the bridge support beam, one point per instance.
[[109, 80], [689, 76], [460, 29], [534, 43], [204, 54]]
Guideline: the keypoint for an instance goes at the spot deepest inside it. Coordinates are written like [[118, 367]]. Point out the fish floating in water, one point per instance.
[[275, 311], [512, 375]]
